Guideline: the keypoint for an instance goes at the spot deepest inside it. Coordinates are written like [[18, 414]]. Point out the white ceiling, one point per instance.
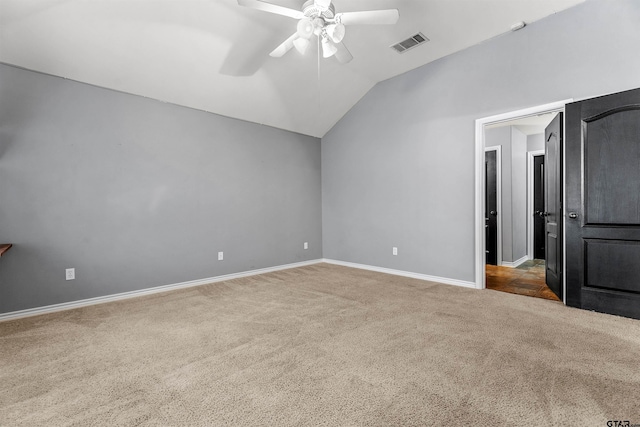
[[212, 55]]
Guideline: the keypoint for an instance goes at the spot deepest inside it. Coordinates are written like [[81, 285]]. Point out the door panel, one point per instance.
[[491, 206], [538, 208], [611, 139], [603, 201], [612, 264], [553, 204]]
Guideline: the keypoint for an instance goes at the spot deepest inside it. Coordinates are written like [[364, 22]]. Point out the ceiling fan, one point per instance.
[[319, 18]]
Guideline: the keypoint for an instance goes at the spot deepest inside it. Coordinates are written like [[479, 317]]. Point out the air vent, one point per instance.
[[410, 43]]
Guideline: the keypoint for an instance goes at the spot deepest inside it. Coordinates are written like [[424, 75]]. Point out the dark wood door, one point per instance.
[[491, 206], [538, 207], [553, 204], [603, 204]]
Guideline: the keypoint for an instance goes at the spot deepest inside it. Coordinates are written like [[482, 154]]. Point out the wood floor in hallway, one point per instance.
[[526, 279]]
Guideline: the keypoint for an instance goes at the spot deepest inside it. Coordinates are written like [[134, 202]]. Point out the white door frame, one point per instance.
[[480, 184], [498, 150], [530, 221]]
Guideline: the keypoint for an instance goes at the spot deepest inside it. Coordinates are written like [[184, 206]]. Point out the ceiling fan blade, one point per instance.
[[369, 17], [285, 47], [343, 55], [272, 8]]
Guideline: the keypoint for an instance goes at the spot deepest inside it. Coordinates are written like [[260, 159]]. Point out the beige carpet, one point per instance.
[[321, 345]]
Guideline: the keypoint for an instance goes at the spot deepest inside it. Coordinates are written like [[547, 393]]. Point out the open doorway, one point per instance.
[[521, 266]]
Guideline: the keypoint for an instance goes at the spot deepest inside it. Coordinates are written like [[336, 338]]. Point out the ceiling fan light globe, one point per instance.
[[328, 48], [318, 26], [336, 32], [305, 28], [301, 45]]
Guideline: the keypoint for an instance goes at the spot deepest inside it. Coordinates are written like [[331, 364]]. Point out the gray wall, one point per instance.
[[513, 188], [518, 194], [535, 142], [399, 170], [136, 193]]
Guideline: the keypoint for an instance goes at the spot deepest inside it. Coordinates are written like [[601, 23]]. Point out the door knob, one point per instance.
[[543, 214], [573, 215], [494, 213]]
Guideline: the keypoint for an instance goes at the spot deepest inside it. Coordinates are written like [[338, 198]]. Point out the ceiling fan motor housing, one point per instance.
[[311, 10]]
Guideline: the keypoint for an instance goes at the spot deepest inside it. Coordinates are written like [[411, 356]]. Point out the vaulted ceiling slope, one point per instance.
[[213, 55]]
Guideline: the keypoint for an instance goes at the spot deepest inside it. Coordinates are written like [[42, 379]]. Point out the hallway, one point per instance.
[[526, 279]]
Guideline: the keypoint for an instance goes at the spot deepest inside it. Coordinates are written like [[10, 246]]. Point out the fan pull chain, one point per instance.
[[318, 63], [319, 103]]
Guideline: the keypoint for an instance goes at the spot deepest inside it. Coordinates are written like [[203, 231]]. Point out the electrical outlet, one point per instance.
[[395, 251], [220, 256], [306, 245], [70, 273]]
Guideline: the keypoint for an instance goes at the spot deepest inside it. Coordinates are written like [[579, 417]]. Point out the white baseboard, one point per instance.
[[444, 280], [133, 294], [514, 264]]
